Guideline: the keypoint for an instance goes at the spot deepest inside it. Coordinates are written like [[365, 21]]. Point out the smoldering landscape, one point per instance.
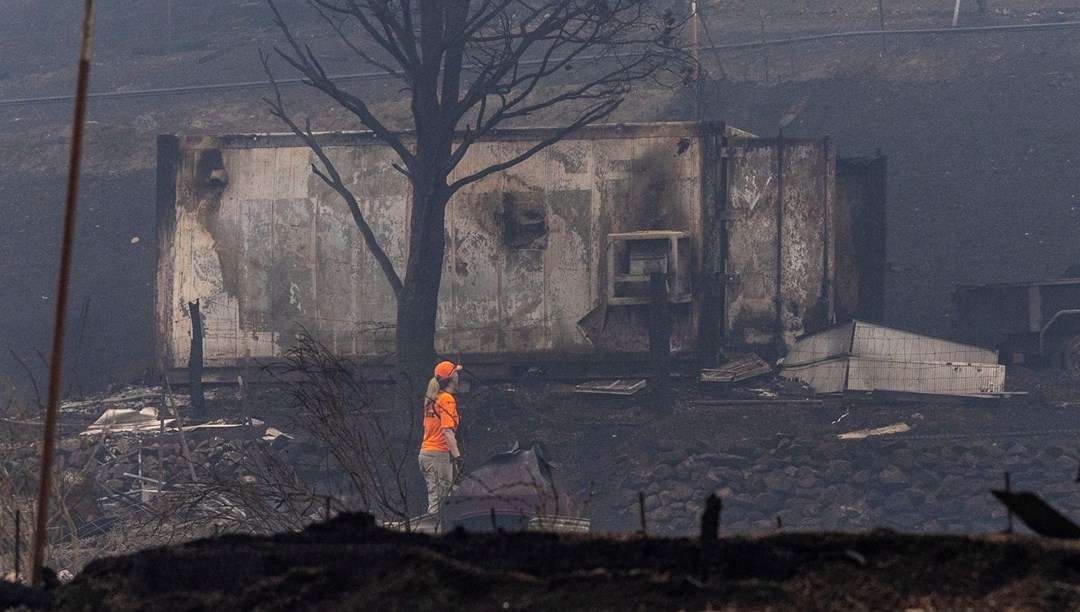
[[979, 136]]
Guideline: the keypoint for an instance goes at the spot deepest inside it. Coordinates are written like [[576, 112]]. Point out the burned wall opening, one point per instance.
[[210, 174], [524, 220]]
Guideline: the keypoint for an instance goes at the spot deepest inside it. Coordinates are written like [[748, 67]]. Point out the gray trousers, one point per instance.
[[438, 473]]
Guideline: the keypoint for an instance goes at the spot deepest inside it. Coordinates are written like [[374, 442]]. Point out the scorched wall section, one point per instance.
[[270, 251]]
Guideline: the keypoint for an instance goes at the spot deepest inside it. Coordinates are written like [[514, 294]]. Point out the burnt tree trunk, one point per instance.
[[419, 300]]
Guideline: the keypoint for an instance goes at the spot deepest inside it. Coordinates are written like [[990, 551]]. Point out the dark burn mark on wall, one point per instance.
[[210, 175], [651, 194], [524, 220], [210, 183]]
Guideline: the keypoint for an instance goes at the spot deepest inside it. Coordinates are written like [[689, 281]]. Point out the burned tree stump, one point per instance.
[[710, 518]]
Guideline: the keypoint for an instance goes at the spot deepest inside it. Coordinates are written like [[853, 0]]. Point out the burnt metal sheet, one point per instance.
[[739, 368], [751, 244], [875, 374], [806, 260], [869, 339], [860, 356], [779, 242], [1038, 515], [511, 488], [611, 387]]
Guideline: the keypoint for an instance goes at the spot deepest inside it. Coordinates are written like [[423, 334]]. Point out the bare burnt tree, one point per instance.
[[337, 407], [469, 67]]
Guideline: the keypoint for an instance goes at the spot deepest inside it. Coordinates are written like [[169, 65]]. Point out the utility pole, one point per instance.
[[52, 406]]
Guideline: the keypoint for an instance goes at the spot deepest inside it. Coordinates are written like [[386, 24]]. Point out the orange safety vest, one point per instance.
[[442, 414]]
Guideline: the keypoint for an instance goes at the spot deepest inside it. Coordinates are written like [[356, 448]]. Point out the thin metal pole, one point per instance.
[[694, 56], [59, 319], [764, 42], [18, 542], [881, 16]]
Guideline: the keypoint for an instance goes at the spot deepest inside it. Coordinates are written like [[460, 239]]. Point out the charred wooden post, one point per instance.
[[1008, 511], [659, 339], [245, 392], [195, 363], [641, 511], [710, 518]]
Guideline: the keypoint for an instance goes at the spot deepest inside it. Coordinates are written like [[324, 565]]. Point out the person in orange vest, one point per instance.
[[439, 449]]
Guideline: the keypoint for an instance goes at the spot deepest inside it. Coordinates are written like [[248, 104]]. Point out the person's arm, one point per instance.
[[451, 443]]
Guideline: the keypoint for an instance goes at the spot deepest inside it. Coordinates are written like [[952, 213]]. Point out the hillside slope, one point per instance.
[[978, 128]]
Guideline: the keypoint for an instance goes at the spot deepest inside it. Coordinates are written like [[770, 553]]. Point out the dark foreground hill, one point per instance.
[[348, 564]]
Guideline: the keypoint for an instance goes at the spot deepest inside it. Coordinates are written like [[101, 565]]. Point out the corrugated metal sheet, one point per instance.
[[859, 356], [866, 374], [871, 339], [832, 342]]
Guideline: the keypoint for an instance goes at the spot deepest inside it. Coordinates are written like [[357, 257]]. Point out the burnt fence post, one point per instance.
[[659, 340], [195, 363]]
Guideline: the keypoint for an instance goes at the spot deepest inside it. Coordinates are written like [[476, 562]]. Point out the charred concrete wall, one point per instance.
[[268, 249]]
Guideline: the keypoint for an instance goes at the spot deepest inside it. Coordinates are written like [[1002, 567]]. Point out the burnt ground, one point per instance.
[[948, 553], [900, 520], [980, 134]]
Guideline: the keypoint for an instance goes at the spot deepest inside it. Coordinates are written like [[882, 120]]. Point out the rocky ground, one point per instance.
[[898, 519]]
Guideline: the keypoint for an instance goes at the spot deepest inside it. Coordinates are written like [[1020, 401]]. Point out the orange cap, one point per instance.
[[445, 369]]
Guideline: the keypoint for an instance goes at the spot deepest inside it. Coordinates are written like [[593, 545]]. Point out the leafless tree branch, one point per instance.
[[330, 176], [470, 67]]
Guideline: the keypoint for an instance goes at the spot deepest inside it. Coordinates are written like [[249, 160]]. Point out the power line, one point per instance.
[[861, 33], [372, 76], [189, 89]]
